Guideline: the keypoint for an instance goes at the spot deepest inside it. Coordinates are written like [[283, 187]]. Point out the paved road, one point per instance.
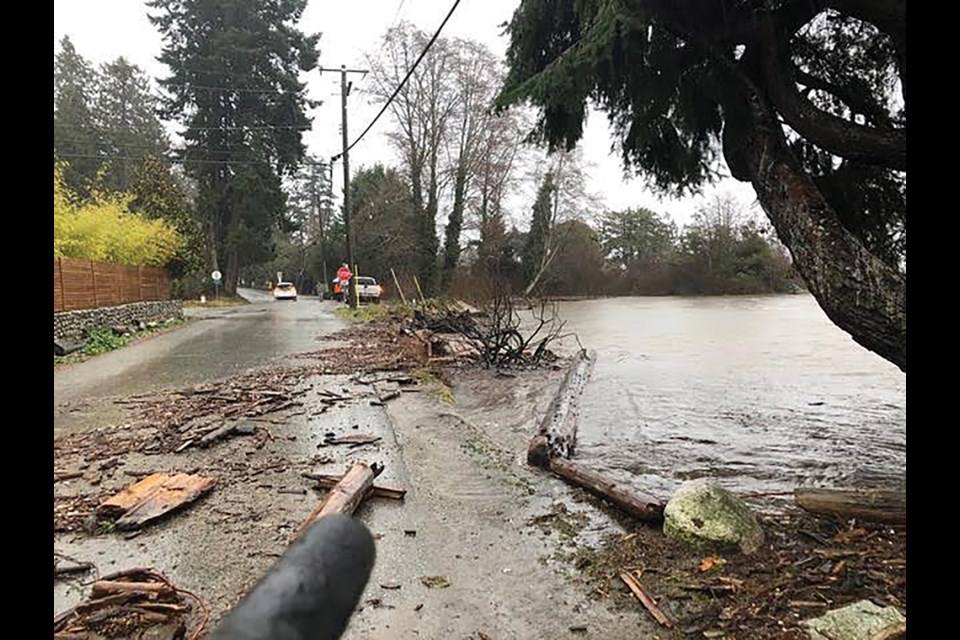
[[218, 343]]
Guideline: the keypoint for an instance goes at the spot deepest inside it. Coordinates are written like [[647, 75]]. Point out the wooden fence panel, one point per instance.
[[83, 284], [78, 286], [57, 286], [129, 284], [107, 284], [149, 288]]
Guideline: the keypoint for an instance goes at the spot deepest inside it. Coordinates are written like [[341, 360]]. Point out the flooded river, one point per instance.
[[760, 393]]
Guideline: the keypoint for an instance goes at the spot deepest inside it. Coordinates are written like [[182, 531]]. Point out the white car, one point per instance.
[[368, 290], [284, 291]]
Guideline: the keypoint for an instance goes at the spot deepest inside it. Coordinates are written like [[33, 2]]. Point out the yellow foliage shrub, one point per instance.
[[102, 228]]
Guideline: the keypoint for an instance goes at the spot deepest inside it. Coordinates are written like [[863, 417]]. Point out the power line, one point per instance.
[[225, 89], [405, 78], [236, 148], [303, 127], [178, 160]]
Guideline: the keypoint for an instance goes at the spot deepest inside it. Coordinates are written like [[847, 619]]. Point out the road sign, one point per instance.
[[344, 274], [217, 276]]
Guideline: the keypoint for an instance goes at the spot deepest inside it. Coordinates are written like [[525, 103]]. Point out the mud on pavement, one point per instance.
[[465, 555]]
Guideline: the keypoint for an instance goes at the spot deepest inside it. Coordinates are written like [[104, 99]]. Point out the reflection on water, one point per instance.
[[761, 393]]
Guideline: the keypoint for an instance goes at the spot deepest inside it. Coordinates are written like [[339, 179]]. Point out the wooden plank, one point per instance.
[[330, 480], [152, 497], [93, 281], [872, 505], [105, 281], [57, 286], [346, 495]]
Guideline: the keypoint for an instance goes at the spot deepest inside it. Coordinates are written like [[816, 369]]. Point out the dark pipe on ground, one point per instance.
[[312, 590]]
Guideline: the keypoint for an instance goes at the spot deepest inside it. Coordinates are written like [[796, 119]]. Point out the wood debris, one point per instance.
[[329, 480], [153, 497], [645, 599], [354, 440], [871, 505], [137, 603], [347, 494]]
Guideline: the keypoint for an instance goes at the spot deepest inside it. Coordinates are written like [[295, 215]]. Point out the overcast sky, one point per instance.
[[103, 30]]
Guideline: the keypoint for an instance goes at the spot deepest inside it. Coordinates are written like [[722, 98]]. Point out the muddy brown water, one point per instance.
[[761, 393]]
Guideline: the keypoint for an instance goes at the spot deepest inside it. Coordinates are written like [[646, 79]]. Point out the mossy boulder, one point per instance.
[[861, 620], [710, 518]]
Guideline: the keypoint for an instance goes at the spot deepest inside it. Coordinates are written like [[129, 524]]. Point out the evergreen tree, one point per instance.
[[537, 242], [75, 133], [234, 85]]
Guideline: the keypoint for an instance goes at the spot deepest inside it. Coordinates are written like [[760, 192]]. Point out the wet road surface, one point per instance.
[[218, 343]]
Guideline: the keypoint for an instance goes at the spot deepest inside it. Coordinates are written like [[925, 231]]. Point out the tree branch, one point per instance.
[[885, 147], [872, 111]]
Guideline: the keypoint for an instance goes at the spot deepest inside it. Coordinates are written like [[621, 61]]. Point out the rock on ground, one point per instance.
[[711, 518], [858, 621]]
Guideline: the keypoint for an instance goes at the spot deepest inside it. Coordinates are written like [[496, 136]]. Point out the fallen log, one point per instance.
[[557, 435], [347, 494], [638, 505], [329, 480], [872, 505]]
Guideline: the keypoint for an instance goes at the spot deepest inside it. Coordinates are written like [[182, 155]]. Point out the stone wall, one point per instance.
[[70, 324]]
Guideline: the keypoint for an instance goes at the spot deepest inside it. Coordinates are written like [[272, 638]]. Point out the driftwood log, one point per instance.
[[871, 505], [557, 435], [639, 506], [347, 494], [556, 439]]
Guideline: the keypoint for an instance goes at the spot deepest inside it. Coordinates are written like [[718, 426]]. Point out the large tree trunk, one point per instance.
[[232, 276], [859, 292], [451, 249], [428, 255]]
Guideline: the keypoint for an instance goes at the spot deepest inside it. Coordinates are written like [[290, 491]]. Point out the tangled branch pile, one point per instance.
[[497, 335], [138, 603]]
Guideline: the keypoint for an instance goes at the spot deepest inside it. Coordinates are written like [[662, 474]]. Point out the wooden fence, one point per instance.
[[83, 284]]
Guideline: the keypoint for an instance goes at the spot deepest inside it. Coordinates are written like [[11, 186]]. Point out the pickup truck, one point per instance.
[[368, 290]]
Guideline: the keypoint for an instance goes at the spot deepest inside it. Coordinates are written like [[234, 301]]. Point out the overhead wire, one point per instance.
[[403, 82]]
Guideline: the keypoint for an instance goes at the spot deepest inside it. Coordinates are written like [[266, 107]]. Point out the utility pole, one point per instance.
[[320, 221], [344, 92]]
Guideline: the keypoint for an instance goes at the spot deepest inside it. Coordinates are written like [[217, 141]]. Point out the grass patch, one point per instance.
[[102, 340], [394, 310], [363, 313], [429, 380]]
